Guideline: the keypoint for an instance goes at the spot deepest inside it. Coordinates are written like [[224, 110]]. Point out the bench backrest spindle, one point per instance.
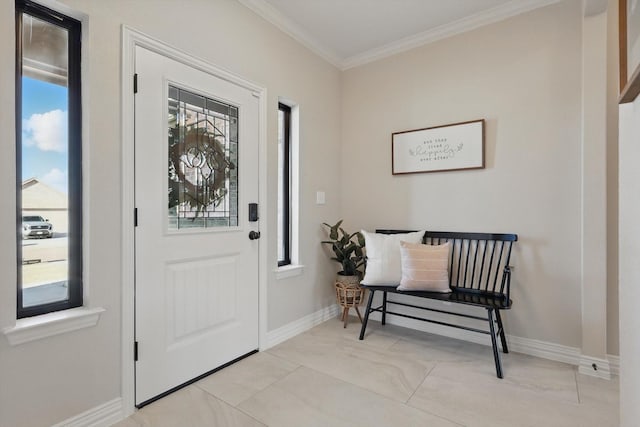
[[477, 260]]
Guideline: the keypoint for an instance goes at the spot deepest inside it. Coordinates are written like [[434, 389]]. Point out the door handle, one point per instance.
[[253, 235]]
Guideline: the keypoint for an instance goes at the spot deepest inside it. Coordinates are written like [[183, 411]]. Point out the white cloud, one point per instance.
[[56, 179], [47, 131]]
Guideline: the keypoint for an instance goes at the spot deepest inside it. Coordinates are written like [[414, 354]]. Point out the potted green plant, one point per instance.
[[348, 251]]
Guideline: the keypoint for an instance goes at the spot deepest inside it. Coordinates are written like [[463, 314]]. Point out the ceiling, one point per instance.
[[349, 33]]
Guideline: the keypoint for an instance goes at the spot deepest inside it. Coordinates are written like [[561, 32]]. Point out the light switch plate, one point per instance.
[[320, 198]]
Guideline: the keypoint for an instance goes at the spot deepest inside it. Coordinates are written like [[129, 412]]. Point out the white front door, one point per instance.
[[196, 171]]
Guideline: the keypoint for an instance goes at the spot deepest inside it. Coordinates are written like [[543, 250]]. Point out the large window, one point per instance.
[[284, 185], [48, 160]]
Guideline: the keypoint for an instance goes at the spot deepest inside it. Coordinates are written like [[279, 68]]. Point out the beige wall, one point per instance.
[[629, 265], [523, 76], [593, 189], [47, 381]]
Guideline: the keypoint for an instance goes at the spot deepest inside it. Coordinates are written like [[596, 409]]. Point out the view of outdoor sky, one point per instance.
[[44, 133]]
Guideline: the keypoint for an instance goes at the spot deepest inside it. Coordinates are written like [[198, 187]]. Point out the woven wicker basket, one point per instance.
[[349, 295]]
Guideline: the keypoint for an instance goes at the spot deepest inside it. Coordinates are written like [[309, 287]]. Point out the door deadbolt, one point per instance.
[[253, 212]]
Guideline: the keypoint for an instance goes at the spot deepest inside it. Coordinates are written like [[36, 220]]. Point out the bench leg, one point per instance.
[[366, 314], [503, 338], [384, 307], [494, 343]]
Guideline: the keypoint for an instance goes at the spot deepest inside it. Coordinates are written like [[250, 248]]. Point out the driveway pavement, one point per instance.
[[44, 261]]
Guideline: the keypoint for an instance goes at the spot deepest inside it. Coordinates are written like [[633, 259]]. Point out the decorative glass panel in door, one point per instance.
[[203, 162]]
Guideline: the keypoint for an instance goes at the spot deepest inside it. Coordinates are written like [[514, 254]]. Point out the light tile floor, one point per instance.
[[396, 377]]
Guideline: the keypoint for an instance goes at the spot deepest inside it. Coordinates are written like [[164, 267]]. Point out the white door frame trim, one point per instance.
[[130, 39]]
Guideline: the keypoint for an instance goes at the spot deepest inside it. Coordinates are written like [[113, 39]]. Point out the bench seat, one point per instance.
[[479, 276], [458, 297]]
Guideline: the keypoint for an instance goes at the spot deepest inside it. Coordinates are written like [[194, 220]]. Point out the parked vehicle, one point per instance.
[[36, 226]]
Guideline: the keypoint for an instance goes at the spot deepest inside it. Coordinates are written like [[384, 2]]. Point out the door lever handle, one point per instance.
[[253, 235]]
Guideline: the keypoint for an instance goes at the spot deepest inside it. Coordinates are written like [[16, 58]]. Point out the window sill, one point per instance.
[[289, 271], [47, 325]]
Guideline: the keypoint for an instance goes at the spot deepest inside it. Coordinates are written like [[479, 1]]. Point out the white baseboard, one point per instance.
[[103, 415], [614, 364], [545, 350], [595, 367], [296, 327], [528, 346]]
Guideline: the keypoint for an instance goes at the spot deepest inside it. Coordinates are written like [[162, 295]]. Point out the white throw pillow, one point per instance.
[[383, 256]]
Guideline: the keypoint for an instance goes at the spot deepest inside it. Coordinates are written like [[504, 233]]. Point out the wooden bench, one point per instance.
[[479, 276]]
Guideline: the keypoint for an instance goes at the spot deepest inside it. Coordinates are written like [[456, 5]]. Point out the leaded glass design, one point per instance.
[[203, 161]]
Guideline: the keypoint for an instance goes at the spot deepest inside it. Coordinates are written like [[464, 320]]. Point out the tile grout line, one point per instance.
[[270, 385], [240, 410], [424, 410], [285, 390], [250, 416], [351, 353], [366, 390], [264, 423], [421, 383], [397, 340], [347, 342], [353, 384], [348, 383], [297, 365], [282, 358], [575, 378]]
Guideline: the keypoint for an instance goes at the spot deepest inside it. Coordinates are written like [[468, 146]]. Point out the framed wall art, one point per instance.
[[629, 20], [436, 149]]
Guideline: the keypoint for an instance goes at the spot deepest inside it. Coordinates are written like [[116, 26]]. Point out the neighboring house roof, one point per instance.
[[38, 195]]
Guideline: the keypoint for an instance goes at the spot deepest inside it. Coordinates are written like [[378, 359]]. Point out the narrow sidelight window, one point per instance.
[[284, 185], [48, 160]]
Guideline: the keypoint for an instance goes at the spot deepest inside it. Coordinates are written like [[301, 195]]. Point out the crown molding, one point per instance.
[[272, 15], [490, 16], [298, 33]]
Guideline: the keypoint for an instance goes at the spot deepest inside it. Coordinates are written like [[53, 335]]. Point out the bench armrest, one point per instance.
[[506, 282]]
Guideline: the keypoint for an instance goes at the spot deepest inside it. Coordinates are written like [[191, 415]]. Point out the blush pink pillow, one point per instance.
[[425, 267]]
